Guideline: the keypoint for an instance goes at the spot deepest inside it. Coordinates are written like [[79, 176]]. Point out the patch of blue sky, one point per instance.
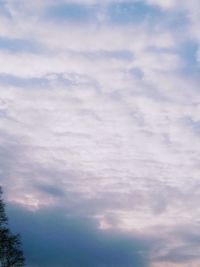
[[19, 45], [174, 20], [41, 82], [3, 9], [137, 73], [162, 50], [70, 13], [23, 83], [188, 53], [3, 113], [191, 124], [127, 12]]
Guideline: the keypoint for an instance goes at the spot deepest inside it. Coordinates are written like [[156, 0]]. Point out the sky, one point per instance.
[[100, 131]]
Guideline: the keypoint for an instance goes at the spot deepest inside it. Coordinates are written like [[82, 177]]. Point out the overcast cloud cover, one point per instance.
[[100, 130]]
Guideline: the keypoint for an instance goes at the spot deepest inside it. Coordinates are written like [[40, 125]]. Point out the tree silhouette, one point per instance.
[[11, 254]]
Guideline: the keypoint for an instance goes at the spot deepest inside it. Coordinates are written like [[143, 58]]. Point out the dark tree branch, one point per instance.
[[11, 254]]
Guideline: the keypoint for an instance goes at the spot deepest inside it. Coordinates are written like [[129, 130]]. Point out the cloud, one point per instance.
[[183, 249], [101, 118], [164, 4], [51, 238], [73, 240]]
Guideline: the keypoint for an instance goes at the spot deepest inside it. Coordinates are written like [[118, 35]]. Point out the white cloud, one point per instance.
[[164, 4], [108, 113]]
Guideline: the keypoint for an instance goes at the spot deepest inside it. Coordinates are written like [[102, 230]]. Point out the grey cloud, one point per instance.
[[179, 244], [53, 190], [182, 254], [51, 238]]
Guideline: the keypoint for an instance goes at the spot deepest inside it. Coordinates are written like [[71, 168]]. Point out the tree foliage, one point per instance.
[[11, 254]]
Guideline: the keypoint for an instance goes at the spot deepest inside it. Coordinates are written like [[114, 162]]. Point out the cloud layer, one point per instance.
[[100, 119]]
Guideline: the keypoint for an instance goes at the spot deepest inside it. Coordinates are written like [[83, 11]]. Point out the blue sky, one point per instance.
[[99, 130]]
